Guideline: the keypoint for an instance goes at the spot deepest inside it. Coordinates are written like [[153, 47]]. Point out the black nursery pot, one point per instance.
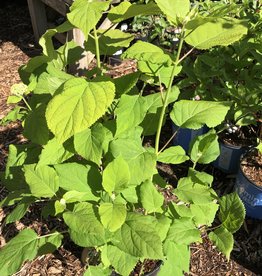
[[229, 158], [250, 194]]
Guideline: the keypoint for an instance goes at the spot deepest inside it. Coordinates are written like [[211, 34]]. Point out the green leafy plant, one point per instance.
[[85, 157]]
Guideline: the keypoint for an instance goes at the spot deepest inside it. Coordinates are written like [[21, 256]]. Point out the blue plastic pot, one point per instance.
[[229, 158], [185, 135], [250, 194]]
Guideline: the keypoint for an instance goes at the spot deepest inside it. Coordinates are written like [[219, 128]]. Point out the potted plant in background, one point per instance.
[[85, 158]]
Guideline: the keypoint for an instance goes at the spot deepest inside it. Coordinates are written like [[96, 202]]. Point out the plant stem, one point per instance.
[[26, 103], [163, 111], [97, 48], [169, 140], [52, 234]]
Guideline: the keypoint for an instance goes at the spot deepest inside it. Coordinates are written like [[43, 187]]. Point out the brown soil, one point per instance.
[[251, 166], [16, 46]]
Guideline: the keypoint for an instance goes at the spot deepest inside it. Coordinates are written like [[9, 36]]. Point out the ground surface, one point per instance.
[[16, 45]]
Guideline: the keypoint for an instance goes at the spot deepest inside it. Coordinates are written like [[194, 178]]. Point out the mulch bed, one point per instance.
[[16, 46]]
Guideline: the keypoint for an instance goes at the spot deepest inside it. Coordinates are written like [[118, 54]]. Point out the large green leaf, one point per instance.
[[97, 271], [205, 148], [130, 112], [177, 259], [80, 104], [116, 175], [125, 83], [207, 32], [144, 51], [138, 237], [77, 177], [48, 244], [89, 143], [21, 248], [43, 181], [194, 114], [126, 10], [151, 199], [85, 228], [232, 212], [223, 240], [122, 262], [183, 231], [174, 9], [86, 14], [173, 155], [204, 214], [109, 42], [53, 153], [112, 215]]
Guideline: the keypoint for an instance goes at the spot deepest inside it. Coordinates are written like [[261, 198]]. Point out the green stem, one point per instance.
[[52, 234], [97, 48], [163, 111], [26, 103]]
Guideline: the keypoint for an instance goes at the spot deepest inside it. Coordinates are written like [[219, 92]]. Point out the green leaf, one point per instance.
[[97, 271], [207, 32], [173, 155], [42, 181], [194, 114], [77, 177], [130, 112], [20, 210], [53, 153], [174, 9], [89, 143], [86, 14], [74, 196], [126, 10], [192, 192], [125, 83], [109, 42], [183, 231], [35, 126], [204, 214], [223, 240], [122, 262], [138, 237], [144, 51], [151, 199], [112, 215], [19, 89], [60, 207], [21, 248], [162, 225], [50, 243], [200, 177], [205, 148], [80, 104], [232, 212], [259, 147], [177, 259], [116, 175], [85, 228]]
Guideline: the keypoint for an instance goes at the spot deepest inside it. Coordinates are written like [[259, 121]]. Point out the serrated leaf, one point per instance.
[[122, 262], [207, 32], [195, 114], [89, 143], [183, 231], [78, 106], [86, 14], [223, 240], [112, 215], [42, 181], [150, 198], [173, 155], [35, 126], [193, 192], [85, 228], [126, 10], [97, 271], [21, 248], [138, 237], [53, 153], [232, 212], [130, 112], [109, 42], [204, 214], [80, 178], [116, 175], [174, 9], [177, 259], [205, 148], [144, 51]]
